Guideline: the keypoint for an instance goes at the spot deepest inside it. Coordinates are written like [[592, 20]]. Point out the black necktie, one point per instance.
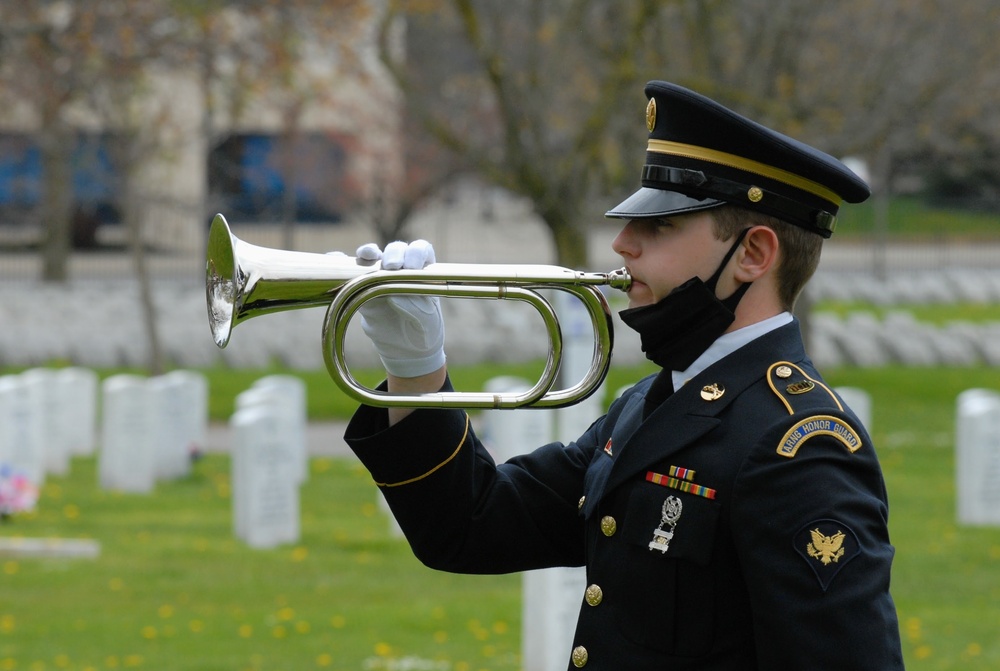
[[659, 391]]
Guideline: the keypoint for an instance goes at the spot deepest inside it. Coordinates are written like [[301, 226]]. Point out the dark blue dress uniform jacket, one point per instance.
[[764, 488]]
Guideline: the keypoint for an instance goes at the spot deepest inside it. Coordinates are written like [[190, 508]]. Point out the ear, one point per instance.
[[757, 255]]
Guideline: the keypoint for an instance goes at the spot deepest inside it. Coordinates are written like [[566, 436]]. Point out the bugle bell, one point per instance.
[[245, 280]]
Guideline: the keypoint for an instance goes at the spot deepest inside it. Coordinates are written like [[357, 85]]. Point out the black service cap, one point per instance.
[[701, 155]]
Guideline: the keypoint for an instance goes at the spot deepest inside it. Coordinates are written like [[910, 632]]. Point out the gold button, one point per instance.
[[608, 525], [580, 656], [579, 505], [594, 595]]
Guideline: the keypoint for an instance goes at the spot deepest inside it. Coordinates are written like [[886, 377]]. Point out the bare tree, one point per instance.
[[536, 95]]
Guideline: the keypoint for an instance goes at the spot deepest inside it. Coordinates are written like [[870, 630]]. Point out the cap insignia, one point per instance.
[[755, 194], [651, 114]]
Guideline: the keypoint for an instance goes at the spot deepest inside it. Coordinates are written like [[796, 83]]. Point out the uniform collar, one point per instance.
[[728, 343]]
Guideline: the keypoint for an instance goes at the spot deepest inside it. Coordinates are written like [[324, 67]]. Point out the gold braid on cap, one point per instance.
[[745, 164]]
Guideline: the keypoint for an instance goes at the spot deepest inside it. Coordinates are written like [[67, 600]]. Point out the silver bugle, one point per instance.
[[244, 280]]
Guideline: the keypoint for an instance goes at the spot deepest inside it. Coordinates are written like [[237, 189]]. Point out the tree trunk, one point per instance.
[[137, 250], [57, 204], [570, 241]]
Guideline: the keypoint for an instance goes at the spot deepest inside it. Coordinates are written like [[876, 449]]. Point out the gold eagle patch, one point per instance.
[[827, 549]]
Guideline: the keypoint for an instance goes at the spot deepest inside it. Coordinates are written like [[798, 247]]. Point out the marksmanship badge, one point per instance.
[[669, 516]]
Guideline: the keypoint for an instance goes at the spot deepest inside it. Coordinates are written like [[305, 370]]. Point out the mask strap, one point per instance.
[[714, 279]]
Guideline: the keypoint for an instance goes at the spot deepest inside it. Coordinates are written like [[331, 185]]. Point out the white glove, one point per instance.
[[406, 329]]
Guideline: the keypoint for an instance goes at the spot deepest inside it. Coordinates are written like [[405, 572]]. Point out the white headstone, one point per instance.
[[80, 385], [290, 392], [170, 426], [41, 386], [977, 458], [194, 390], [22, 440], [860, 401], [552, 599], [126, 460], [265, 487]]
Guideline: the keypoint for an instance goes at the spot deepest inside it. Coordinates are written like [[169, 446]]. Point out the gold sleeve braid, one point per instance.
[[465, 435]]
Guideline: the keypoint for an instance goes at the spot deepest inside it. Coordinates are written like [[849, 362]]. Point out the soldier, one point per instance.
[[730, 510]]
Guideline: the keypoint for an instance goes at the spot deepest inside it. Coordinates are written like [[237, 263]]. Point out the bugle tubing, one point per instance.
[[245, 280]]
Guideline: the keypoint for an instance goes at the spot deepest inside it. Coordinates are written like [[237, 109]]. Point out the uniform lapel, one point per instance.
[[688, 414]]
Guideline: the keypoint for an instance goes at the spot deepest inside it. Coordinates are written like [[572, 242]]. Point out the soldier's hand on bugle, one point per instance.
[[406, 329]]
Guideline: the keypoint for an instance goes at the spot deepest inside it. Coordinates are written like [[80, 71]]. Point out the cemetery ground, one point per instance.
[[173, 589]]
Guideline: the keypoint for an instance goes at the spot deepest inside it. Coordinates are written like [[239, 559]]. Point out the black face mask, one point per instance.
[[680, 327]]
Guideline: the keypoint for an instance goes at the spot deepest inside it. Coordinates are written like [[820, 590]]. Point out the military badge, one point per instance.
[[651, 114], [826, 545], [712, 392], [669, 516]]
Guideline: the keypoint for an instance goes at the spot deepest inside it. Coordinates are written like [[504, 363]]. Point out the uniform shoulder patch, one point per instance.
[[826, 546], [818, 425], [796, 390]]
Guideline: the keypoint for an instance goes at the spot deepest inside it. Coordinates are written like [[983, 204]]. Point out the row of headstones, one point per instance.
[[47, 416], [269, 461], [146, 427]]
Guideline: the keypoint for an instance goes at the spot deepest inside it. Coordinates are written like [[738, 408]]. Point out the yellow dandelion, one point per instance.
[[913, 629], [116, 584], [383, 649], [6, 623], [924, 651], [302, 627], [11, 567], [71, 511], [324, 660], [38, 666], [245, 631], [279, 631], [300, 554], [973, 650], [111, 662], [440, 636], [338, 621], [165, 611], [133, 660], [995, 552], [489, 651], [8, 664], [149, 632], [461, 666], [196, 626], [61, 660], [321, 465], [500, 627], [285, 614]]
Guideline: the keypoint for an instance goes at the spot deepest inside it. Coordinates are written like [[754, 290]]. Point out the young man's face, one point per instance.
[[663, 253]]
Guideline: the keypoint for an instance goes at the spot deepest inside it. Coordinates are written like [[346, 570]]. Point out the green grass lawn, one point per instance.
[[173, 589]]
